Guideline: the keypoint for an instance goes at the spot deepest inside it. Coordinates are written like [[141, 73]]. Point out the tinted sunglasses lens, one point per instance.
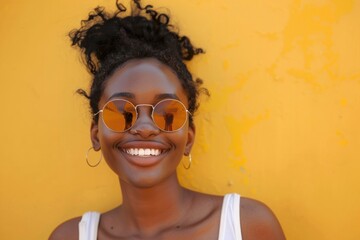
[[169, 115], [119, 115]]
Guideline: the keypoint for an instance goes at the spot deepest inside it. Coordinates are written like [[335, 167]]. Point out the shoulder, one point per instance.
[[258, 221], [68, 230], [207, 202]]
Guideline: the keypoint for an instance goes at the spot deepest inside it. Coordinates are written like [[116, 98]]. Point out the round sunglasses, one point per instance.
[[119, 115]]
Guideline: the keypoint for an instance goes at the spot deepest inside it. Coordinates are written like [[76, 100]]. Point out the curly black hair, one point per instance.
[[107, 41]]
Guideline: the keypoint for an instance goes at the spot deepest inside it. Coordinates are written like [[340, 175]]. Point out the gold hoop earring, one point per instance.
[[87, 158], [188, 166]]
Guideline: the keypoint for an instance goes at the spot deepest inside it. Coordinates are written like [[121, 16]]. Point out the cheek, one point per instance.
[[105, 136], [180, 139], [108, 140]]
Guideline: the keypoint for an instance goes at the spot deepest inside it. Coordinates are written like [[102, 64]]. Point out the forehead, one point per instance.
[[144, 79]]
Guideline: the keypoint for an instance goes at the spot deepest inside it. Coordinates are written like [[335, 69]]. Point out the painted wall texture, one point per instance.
[[282, 123]]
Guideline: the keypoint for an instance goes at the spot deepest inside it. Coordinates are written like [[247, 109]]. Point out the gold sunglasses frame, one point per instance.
[[137, 114]]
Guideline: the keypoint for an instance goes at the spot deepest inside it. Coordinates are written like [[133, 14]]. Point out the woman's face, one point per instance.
[[143, 81]]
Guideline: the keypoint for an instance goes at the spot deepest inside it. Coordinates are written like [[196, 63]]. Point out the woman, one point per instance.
[[143, 99]]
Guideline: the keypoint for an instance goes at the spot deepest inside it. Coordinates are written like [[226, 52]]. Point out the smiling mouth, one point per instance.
[[143, 152]]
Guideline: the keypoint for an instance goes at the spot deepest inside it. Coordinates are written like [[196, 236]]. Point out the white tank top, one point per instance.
[[229, 223]]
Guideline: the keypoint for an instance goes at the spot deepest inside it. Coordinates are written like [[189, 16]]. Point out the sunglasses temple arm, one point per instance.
[[98, 112]]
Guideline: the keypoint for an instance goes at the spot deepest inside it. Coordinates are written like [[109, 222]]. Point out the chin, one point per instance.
[[146, 180]]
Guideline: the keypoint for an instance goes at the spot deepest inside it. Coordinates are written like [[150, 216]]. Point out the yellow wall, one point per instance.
[[282, 124]]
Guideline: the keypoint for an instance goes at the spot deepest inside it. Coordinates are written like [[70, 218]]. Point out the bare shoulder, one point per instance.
[[68, 230], [258, 221], [208, 202]]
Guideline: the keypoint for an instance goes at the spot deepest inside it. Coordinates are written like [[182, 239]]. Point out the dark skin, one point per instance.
[[155, 205]]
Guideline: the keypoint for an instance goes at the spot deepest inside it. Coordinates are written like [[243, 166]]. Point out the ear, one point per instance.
[[94, 130], [190, 139]]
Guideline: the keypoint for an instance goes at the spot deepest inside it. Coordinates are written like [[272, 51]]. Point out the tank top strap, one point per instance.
[[88, 226], [230, 228]]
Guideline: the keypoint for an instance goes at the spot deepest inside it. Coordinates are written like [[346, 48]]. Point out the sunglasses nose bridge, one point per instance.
[[144, 115], [146, 108]]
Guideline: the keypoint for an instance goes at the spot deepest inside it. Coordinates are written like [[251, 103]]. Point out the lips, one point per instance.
[[143, 153]]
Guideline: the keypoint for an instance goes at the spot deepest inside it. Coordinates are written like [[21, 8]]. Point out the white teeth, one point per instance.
[[143, 152]]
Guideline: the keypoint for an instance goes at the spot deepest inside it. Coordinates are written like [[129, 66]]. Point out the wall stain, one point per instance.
[[243, 126], [307, 52], [341, 139]]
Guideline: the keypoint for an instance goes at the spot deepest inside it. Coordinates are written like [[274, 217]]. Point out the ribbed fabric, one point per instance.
[[88, 226], [230, 228], [229, 223]]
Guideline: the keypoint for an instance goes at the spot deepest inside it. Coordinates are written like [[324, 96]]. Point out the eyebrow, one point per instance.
[[122, 94], [166, 95], [132, 96]]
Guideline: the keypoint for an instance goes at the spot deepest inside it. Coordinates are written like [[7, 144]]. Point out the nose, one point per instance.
[[144, 124]]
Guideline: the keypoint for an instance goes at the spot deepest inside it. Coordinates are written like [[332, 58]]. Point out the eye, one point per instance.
[[169, 118], [128, 116]]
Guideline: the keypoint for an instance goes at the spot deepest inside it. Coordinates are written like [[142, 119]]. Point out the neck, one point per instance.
[[153, 209]]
